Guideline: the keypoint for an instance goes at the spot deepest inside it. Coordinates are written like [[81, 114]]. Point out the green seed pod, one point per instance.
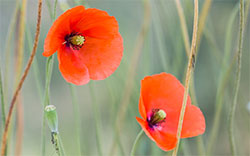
[[52, 119]]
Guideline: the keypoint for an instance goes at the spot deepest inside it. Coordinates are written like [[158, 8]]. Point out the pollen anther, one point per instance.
[[77, 40], [158, 117]]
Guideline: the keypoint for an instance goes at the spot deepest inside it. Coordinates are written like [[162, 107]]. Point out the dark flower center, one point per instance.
[[74, 40], [156, 117]]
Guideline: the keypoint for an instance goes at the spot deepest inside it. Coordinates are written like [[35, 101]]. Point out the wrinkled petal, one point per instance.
[[102, 57], [60, 28], [71, 67], [164, 140], [193, 123], [97, 24], [162, 91]]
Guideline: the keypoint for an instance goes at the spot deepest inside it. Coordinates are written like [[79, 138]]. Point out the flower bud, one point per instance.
[[52, 119]]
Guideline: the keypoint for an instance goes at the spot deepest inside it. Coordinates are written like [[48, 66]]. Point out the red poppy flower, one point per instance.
[[160, 105], [88, 42]]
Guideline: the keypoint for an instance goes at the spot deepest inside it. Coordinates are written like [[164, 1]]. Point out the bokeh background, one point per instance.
[[153, 43]]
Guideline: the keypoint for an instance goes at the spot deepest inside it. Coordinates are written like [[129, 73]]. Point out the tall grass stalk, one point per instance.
[[203, 16], [190, 68], [77, 118], [200, 143], [8, 45], [97, 119], [132, 72], [223, 80], [157, 28], [46, 100], [35, 66], [2, 100], [183, 26], [26, 71], [237, 82], [18, 68]]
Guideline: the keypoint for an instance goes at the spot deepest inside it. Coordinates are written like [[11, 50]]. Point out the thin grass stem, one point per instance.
[[18, 68], [200, 143], [97, 120], [8, 46], [223, 80], [77, 119], [135, 145], [203, 16], [35, 66], [2, 99], [237, 81], [190, 68], [183, 26], [20, 84], [46, 100]]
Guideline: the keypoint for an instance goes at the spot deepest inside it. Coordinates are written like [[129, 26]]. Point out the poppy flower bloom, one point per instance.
[[160, 105], [88, 42]]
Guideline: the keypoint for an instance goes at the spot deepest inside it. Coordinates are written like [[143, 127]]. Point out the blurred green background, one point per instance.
[[162, 50]]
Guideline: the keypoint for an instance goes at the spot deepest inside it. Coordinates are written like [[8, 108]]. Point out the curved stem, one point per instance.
[[190, 68], [20, 84], [135, 145], [237, 82]]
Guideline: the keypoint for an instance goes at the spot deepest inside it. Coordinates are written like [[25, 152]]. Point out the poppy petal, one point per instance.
[[60, 28], [162, 91], [144, 126], [102, 57], [193, 123], [71, 67], [163, 139], [142, 108], [98, 24]]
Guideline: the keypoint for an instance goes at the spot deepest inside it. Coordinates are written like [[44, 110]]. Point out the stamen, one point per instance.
[[77, 40], [157, 117]]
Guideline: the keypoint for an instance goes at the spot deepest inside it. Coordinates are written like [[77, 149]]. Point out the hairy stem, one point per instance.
[[20, 84], [237, 82], [190, 68]]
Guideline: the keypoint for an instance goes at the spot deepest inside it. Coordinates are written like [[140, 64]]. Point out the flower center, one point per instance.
[[74, 40], [77, 40], [158, 116]]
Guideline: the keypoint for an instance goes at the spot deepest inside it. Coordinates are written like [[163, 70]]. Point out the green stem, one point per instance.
[[55, 141], [8, 45], [46, 101], [135, 145], [223, 81], [34, 67], [97, 121], [77, 117], [237, 82], [2, 100], [49, 69], [61, 148]]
